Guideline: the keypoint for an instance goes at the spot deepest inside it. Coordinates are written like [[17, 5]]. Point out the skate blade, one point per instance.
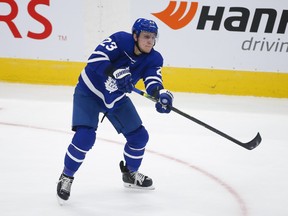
[[132, 186], [61, 202]]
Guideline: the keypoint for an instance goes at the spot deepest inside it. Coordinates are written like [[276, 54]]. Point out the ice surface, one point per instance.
[[195, 171]]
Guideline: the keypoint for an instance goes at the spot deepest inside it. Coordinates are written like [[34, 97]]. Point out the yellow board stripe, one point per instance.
[[210, 81], [40, 71], [229, 82]]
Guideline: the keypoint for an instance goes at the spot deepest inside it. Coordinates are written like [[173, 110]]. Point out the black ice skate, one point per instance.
[[64, 188], [135, 179]]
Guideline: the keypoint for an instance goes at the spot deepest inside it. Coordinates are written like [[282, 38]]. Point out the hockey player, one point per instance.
[[112, 70]]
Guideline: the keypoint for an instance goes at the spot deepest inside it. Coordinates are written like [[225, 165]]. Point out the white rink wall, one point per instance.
[[222, 47], [71, 30]]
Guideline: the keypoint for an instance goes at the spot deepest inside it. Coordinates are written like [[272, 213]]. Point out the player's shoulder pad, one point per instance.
[[156, 57], [122, 35], [122, 39]]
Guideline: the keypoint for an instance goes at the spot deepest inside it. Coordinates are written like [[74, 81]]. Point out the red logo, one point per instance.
[[31, 8], [177, 19]]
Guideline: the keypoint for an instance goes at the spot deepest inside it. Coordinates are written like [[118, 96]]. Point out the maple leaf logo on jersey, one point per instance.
[[177, 19], [110, 85]]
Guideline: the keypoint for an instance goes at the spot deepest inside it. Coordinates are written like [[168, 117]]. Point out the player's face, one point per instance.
[[146, 41]]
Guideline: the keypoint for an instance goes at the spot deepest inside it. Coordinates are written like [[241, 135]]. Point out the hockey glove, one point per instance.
[[123, 80], [165, 101]]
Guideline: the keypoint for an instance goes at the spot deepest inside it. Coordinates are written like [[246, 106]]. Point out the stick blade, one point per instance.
[[253, 143]]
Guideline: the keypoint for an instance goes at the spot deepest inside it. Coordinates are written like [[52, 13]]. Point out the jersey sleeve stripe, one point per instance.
[[153, 78], [97, 59], [152, 83], [98, 56]]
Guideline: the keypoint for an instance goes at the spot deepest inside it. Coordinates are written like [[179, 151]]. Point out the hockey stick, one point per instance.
[[249, 145]]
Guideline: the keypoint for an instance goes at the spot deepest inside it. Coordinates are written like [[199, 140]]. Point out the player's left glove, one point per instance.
[[165, 101], [123, 80]]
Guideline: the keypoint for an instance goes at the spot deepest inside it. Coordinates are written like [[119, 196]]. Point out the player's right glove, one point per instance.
[[123, 80], [164, 102]]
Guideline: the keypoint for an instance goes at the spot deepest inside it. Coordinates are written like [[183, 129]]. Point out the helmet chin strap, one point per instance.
[[138, 47]]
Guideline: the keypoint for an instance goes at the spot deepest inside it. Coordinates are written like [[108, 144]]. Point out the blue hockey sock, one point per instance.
[[133, 157], [135, 148], [82, 142]]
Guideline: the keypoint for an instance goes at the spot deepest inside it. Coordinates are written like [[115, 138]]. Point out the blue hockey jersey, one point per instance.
[[117, 51]]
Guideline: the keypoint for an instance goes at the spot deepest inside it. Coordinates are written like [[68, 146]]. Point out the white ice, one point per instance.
[[195, 171]]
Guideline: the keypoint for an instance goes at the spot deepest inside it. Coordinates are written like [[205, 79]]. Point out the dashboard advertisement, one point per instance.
[[240, 35], [42, 29], [228, 35]]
